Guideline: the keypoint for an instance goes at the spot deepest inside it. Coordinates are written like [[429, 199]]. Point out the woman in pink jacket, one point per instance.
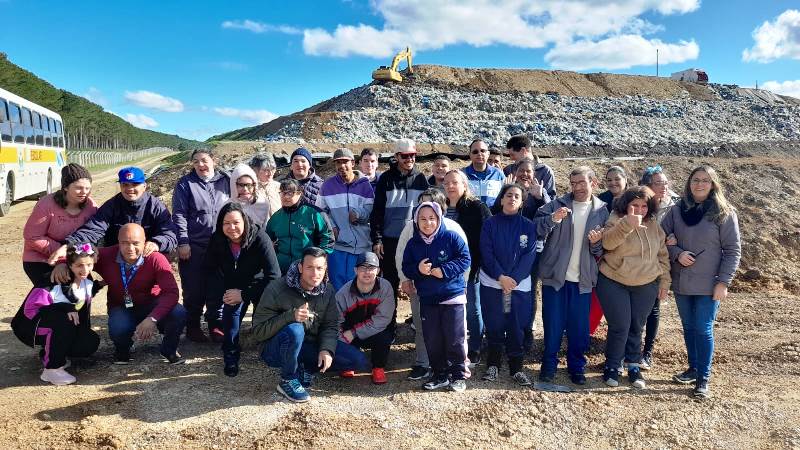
[[54, 218]]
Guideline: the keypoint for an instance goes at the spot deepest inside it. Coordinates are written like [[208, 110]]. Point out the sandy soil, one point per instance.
[[756, 402]]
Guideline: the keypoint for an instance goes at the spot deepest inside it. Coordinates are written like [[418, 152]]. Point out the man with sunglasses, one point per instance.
[[485, 181], [395, 198]]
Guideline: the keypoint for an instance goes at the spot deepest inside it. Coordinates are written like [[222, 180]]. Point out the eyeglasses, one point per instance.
[[659, 183], [246, 185], [408, 155], [367, 268], [84, 249], [288, 193]]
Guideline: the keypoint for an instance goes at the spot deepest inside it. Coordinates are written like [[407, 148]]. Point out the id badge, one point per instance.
[[128, 301]]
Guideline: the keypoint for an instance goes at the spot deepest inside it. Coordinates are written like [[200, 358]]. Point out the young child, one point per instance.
[[57, 317]]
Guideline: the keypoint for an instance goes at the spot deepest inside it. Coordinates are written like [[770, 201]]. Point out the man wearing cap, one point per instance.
[[485, 181], [132, 205], [347, 198], [366, 305], [302, 170], [395, 198]]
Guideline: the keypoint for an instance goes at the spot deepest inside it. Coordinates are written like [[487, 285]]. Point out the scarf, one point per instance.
[[692, 215]]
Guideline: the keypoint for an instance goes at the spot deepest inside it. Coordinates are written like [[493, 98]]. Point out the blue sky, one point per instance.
[[198, 68]]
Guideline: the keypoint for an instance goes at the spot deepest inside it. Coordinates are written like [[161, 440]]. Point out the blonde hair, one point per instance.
[[721, 209], [462, 177]]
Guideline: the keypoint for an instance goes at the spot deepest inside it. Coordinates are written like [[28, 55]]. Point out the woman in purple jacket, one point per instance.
[[703, 264], [196, 202]]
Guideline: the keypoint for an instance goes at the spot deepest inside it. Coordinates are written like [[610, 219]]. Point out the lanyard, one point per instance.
[[127, 279]]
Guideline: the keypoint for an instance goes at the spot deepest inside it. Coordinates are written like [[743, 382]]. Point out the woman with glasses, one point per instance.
[[264, 166], [297, 226], [616, 182], [196, 201], [244, 190], [704, 261]]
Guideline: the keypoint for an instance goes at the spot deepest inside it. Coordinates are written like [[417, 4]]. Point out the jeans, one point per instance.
[[122, 322], [698, 313], [232, 317], [565, 309], [475, 327], [651, 328], [341, 268], [289, 351]]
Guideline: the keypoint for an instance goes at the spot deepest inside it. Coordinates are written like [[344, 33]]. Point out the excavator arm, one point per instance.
[[391, 73]]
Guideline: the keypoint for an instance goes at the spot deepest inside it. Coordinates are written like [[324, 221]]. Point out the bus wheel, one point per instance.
[[5, 207]]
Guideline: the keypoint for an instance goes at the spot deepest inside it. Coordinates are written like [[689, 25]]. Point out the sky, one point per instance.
[[199, 68]]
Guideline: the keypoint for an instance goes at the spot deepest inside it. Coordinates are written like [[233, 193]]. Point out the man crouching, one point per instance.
[[298, 321]]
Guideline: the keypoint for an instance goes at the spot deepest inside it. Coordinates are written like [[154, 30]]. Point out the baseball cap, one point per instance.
[[131, 175], [343, 153], [367, 259], [405, 145]]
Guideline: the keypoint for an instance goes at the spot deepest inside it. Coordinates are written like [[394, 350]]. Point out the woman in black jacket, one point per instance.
[[469, 212], [239, 264]]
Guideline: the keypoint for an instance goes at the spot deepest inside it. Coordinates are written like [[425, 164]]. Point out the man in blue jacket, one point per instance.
[[485, 181]]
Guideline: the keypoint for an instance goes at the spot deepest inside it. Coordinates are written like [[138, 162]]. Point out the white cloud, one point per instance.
[[141, 121], [152, 100], [94, 95], [790, 87], [619, 52], [433, 24], [775, 40], [259, 27], [252, 116]]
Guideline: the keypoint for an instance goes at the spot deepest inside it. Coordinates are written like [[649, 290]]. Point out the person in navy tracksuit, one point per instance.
[[508, 251], [436, 259]]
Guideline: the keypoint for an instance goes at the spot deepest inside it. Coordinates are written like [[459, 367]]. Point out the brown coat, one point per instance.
[[635, 256]]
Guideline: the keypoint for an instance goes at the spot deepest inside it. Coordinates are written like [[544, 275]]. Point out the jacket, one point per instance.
[[395, 198], [258, 210], [508, 247], [558, 244], [635, 256], [365, 314], [296, 228], [252, 271], [148, 211], [408, 233], [48, 225], [608, 198], [721, 248], [472, 214], [272, 193], [196, 204], [338, 199], [283, 296], [310, 185], [448, 252], [485, 185]]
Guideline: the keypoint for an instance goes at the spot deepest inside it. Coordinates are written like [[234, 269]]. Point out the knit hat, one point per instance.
[[304, 153], [73, 172]]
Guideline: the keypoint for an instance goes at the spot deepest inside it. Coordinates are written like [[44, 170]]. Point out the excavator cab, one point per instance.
[[390, 73]]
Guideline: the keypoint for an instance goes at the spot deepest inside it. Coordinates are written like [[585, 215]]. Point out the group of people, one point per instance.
[[322, 263]]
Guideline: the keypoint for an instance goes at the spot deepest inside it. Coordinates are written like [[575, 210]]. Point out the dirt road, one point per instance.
[[149, 404]]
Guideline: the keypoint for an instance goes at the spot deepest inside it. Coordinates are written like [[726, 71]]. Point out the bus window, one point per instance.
[[27, 126], [60, 129], [5, 124], [16, 123], [48, 135], [37, 127]]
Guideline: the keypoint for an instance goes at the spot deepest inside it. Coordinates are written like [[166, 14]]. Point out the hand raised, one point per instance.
[[425, 266], [561, 214], [633, 219], [301, 313]]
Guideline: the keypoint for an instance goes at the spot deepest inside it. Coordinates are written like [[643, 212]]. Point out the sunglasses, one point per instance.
[[408, 155]]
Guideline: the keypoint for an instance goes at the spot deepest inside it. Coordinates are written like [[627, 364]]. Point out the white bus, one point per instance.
[[31, 149]]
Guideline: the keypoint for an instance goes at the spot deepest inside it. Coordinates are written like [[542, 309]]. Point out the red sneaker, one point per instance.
[[378, 376], [347, 373]]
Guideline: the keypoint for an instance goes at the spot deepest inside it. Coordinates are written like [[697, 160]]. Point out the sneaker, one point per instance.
[[522, 379], [217, 335], [292, 390], [688, 376], [419, 372], [67, 364], [611, 377], [232, 369], [347, 373], [58, 377], [474, 359], [491, 374], [306, 378], [122, 357], [378, 376], [174, 359], [701, 389], [636, 378], [438, 382], [458, 385], [195, 334], [546, 377], [647, 362], [578, 378]]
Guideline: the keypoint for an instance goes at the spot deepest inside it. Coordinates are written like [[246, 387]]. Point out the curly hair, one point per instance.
[[634, 193]]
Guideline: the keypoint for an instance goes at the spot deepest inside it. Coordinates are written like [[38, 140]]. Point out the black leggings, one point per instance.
[[60, 338], [38, 273]]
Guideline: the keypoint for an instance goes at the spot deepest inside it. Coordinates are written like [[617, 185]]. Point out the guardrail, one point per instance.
[[92, 158]]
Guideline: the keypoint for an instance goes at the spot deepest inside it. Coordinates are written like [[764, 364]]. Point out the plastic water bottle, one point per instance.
[[506, 303]]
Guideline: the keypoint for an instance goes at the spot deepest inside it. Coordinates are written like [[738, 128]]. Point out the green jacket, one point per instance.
[[283, 296], [295, 229]]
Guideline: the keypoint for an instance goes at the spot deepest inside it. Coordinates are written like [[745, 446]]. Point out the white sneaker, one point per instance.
[[522, 379], [58, 377]]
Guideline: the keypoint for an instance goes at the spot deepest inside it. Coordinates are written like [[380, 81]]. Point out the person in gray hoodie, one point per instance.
[[244, 190], [568, 269], [704, 260], [196, 202]]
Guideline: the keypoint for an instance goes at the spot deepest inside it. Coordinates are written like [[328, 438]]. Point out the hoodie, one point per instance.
[[395, 198], [338, 199], [196, 204], [635, 256], [258, 210]]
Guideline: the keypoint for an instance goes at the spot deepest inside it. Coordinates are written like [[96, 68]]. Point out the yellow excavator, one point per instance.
[[384, 73]]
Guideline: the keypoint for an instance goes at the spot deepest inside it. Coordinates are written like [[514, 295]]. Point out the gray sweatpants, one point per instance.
[[419, 340], [626, 309]]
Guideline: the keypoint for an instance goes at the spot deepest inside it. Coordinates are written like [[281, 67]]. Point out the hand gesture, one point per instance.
[[184, 252], [561, 214], [506, 283], [633, 220], [348, 336], [437, 272], [232, 297], [671, 240], [72, 316], [595, 235], [510, 178], [60, 274], [145, 330], [61, 252], [324, 361], [720, 292], [425, 266], [537, 189], [301, 313], [686, 259], [408, 287], [378, 250], [149, 247]]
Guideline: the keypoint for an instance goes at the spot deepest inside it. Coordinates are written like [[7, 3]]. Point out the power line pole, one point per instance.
[[656, 62]]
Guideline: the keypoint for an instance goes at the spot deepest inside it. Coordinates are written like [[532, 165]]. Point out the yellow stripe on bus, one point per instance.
[[8, 155], [42, 156]]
